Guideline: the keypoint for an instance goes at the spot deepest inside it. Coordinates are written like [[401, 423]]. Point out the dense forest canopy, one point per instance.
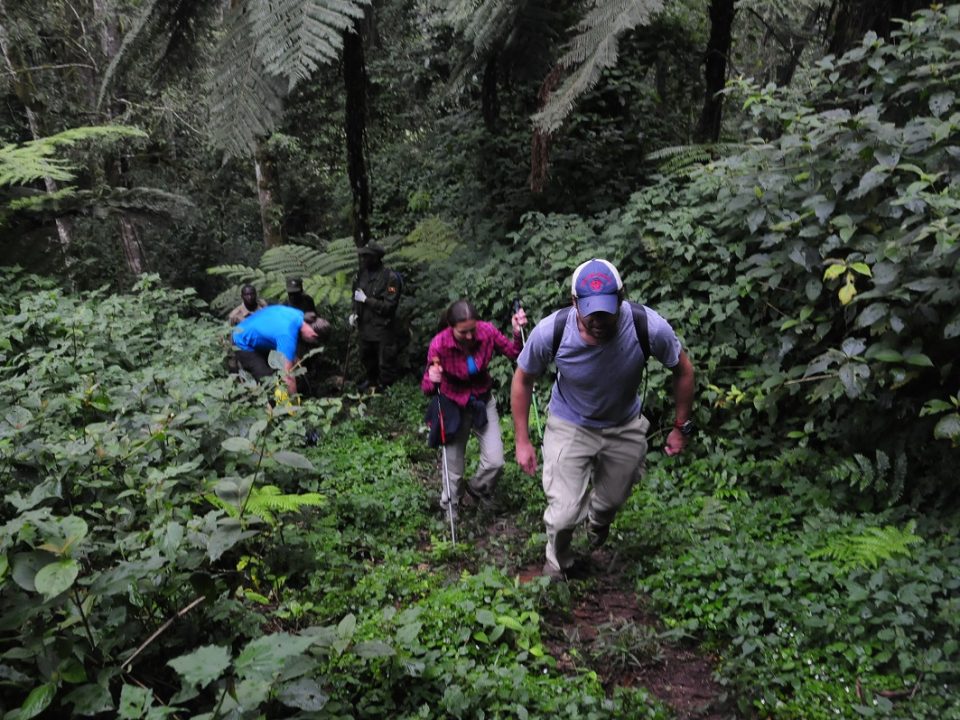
[[779, 179]]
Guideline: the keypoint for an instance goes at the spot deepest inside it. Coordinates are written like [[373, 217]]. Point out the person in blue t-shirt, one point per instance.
[[595, 431], [276, 327]]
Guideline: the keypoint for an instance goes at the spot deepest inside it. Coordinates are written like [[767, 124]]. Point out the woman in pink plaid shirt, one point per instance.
[[457, 363]]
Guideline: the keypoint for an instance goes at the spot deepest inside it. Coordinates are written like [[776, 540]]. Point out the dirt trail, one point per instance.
[[610, 631]]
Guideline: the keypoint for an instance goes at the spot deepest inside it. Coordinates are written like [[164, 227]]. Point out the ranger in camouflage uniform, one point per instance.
[[376, 294]]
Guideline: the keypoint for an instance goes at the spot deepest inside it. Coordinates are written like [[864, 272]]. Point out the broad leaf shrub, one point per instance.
[[813, 273], [814, 613], [169, 545], [117, 426]]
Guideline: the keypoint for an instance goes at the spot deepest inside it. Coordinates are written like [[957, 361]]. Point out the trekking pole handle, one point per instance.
[[516, 308]]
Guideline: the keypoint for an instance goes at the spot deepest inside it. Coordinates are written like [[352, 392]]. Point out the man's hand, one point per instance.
[[352, 319], [359, 295], [676, 442], [527, 457]]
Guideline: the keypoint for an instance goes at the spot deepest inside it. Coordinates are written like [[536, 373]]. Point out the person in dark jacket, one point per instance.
[[297, 298], [376, 295]]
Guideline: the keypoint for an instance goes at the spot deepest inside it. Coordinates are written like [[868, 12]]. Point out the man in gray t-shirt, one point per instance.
[[595, 427]]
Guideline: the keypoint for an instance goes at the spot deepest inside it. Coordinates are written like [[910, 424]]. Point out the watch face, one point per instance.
[[688, 428]]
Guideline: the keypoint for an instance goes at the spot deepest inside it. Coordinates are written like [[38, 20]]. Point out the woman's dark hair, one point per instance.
[[458, 312]]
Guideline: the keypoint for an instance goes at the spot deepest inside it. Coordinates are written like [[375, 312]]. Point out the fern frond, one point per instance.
[[245, 99], [45, 202], [34, 160], [869, 547], [124, 51], [432, 240], [682, 160], [269, 501], [591, 52], [149, 201], [303, 261], [295, 37], [491, 23], [270, 47], [879, 474]]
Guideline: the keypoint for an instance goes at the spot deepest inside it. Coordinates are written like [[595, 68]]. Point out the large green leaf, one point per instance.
[[304, 694], [91, 699], [37, 701], [57, 577], [293, 459], [203, 665], [26, 566], [948, 428], [265, 656], [237, 444]]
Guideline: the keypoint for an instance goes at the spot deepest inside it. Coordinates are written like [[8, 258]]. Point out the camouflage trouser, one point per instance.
[[381, 361]]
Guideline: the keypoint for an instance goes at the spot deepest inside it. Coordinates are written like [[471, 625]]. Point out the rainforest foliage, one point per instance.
[[170, 546]]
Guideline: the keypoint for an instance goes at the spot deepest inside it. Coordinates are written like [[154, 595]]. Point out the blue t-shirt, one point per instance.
[[275, 327], [597, 385]]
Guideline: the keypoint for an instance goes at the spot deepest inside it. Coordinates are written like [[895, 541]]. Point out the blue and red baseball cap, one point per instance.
[[596, 285]]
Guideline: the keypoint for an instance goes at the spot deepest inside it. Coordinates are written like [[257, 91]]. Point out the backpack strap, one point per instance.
[[639, 326], [559, 324]]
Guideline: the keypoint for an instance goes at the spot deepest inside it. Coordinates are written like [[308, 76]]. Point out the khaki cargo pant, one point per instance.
[[614, 458]]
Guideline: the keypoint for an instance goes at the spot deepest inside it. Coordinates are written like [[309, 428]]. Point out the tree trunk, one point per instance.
[[540, 147], [854, 18], [715, 68], [270, 212], [130, 244], [490, 101], [22, 89], [355, 121]]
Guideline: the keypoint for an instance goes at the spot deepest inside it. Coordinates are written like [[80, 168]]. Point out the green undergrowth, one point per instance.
[[815, 612], [170, 545]]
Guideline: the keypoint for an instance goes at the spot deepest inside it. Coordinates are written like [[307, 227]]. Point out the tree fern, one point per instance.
[[869, 547], [267, 49], [35, 160], [520, 31], [267, 502], [327, 274], [683, 160], [878, 475], [591, 52], [431, 241], [297, 36]]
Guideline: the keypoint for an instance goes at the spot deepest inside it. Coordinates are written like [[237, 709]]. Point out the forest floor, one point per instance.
[[604, 603]]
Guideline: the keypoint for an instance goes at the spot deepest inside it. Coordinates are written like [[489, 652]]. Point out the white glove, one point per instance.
[[352, 320], [359, 295]]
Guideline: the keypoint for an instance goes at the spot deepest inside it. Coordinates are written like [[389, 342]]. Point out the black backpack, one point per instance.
[[639, 324]]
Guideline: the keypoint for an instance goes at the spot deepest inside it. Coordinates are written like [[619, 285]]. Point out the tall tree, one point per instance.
[[715, 68], [355, 124]]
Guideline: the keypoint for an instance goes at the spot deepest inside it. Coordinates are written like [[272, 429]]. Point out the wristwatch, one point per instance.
[[686, 428]]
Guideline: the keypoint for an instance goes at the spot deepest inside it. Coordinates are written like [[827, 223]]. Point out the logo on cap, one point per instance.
[[596, 283]]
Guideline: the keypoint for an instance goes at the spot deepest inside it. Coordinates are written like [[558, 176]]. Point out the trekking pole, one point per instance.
[[533, 393], [346, 361], [446, 471]]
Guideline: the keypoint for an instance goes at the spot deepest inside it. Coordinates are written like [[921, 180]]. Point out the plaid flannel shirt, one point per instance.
[[457, 383]]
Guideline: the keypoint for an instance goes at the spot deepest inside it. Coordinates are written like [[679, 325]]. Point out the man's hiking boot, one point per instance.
[[597, 535], [553, 573]]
